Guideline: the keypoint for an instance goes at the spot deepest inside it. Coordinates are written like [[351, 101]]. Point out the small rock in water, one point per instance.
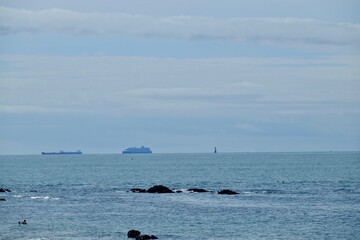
[[228, 192], [4, 190], [199, 190], [159, 189], [133, 233], [145, 236], [2, 199], [137, 235]]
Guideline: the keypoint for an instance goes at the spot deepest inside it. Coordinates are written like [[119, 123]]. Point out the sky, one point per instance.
[[179, 76]]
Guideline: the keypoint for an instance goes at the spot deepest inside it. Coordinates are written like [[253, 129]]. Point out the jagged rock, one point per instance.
[[133, 233], [159, 189], [198, 190], [4, 190], [138, 190], [2, 199], [228, 192]]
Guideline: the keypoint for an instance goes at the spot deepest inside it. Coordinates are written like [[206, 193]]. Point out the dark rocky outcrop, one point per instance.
[[2, 199], [228, 192], [159, 189], [4, 190], [137, 235], [164, 189], [133, 233], [198, 190], [145, 236], [138, 190]]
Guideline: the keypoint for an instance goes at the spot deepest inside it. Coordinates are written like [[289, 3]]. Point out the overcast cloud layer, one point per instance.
[[260, 30], [179, 78]]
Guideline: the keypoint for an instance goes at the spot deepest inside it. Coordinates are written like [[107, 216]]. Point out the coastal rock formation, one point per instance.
[[198, 190], [133, 233], [4, 190], [137, 235], [159, 189], [228, 192], [164, 189]]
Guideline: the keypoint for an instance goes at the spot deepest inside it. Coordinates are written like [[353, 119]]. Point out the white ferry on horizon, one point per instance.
[[137, 150]]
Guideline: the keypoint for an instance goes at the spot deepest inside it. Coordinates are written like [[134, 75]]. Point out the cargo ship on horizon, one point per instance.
[[60, 153], [137, 150]]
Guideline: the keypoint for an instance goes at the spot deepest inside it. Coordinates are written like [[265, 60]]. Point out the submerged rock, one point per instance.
[[228, 192], [138, 190], [145, 236], [198, 190], [133, 233], [4, 190], [2, 199], [159, 189]]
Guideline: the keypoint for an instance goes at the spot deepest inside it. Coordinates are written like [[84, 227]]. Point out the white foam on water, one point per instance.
[[41, 197]]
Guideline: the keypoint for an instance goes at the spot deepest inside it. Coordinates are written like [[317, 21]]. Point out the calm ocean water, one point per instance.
[[283, 196]]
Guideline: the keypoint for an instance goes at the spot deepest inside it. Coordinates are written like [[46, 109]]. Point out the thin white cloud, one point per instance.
[[233, 85], [293, 31]]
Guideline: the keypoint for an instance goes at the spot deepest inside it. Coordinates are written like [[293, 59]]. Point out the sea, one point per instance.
[[298, 195]]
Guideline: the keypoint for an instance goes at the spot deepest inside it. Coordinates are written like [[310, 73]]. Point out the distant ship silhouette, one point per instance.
[[215, 151], [60, 153], [137, 150]]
